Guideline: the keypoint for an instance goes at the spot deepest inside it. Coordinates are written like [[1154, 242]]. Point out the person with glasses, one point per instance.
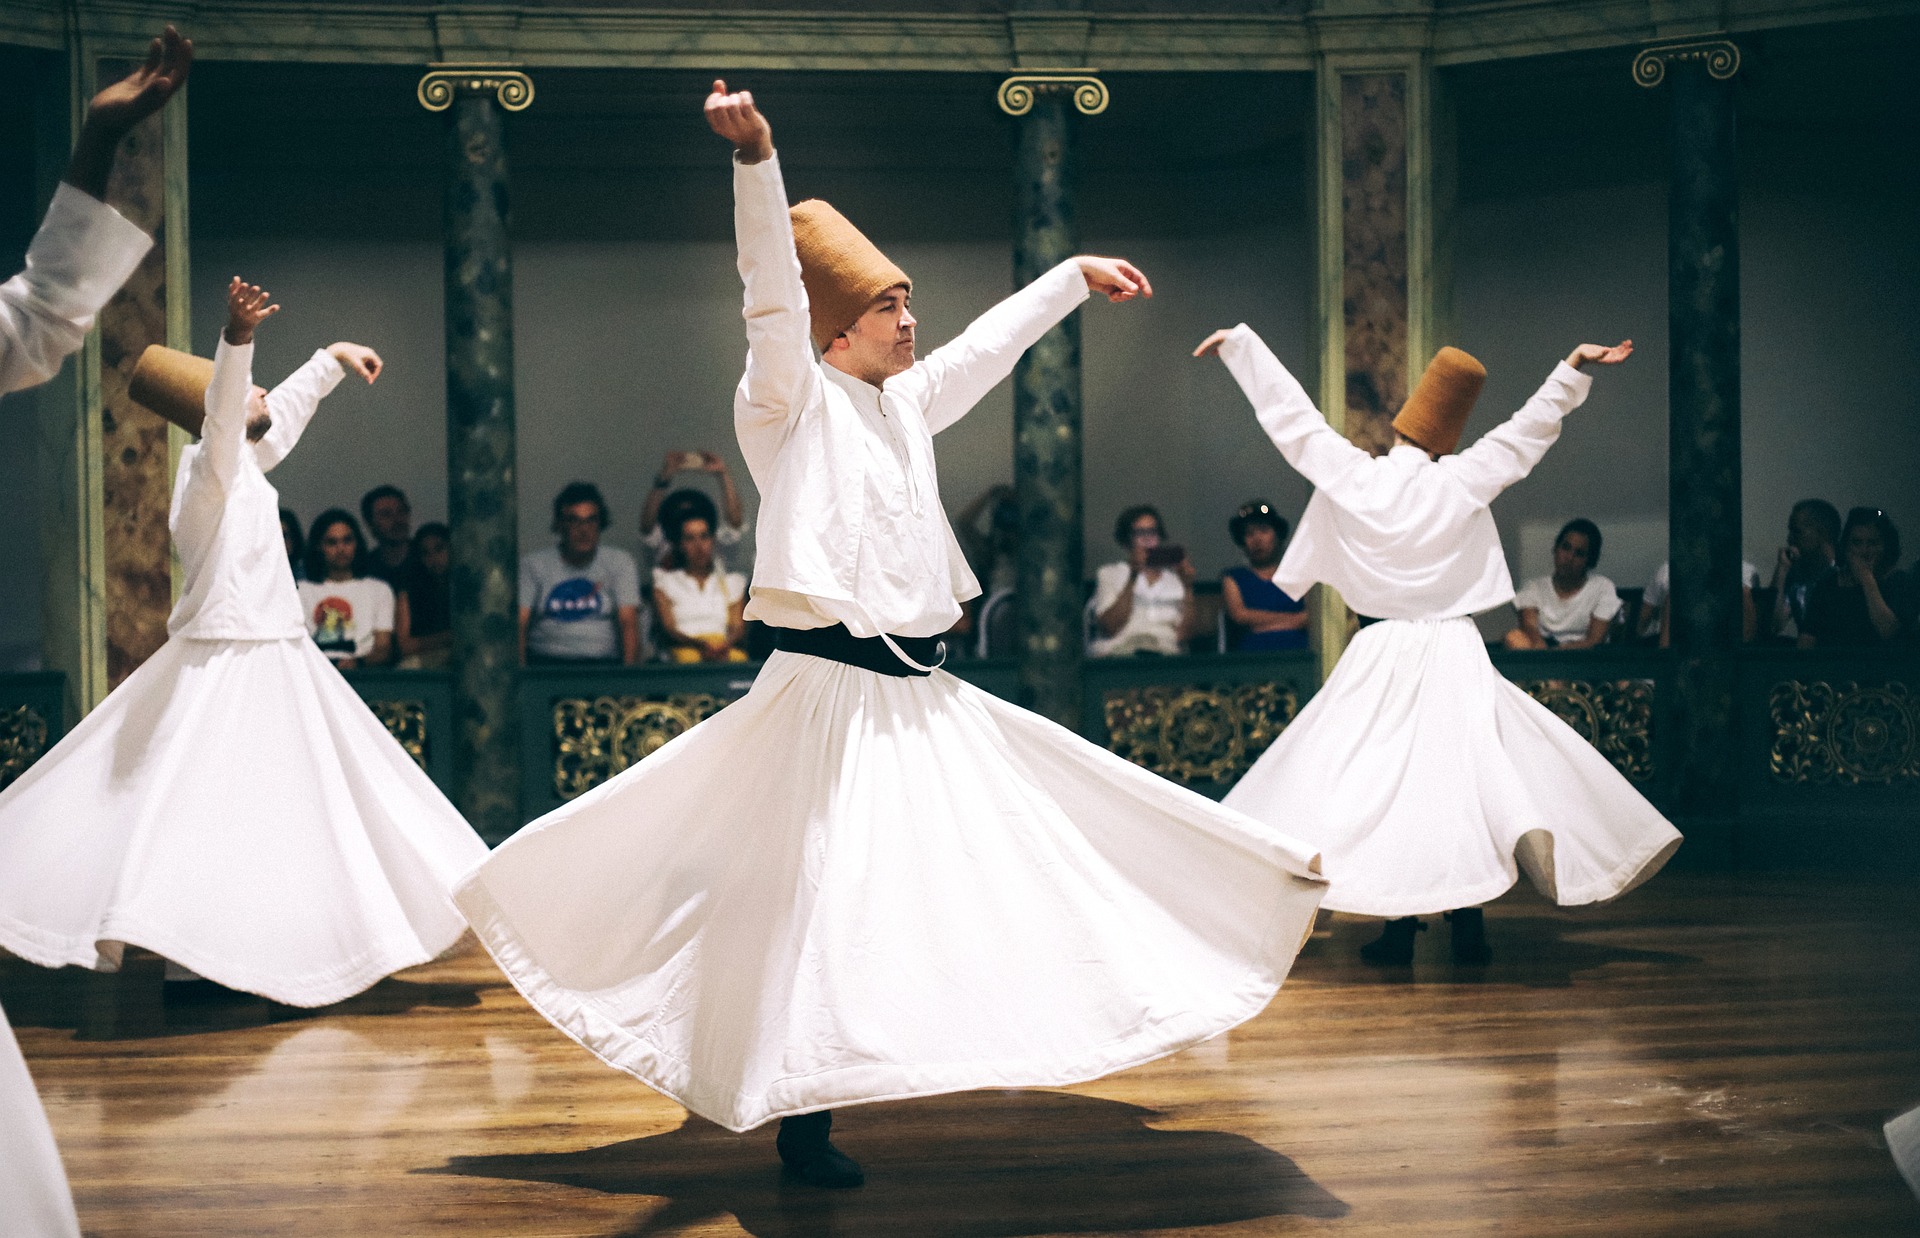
[[1263, 616], [1864, 603], [1143, 604], [579, 600]]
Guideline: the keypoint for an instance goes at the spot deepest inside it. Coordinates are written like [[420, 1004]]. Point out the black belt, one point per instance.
[[869, 653]]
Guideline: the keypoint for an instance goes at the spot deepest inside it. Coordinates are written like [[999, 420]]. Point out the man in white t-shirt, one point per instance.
[[1574, 607], [1142, 605], [1656, 605]]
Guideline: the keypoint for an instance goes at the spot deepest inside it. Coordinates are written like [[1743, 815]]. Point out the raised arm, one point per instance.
[[1509, 452], [83, 252], [1315, 449], [293, 402], [782, 369]]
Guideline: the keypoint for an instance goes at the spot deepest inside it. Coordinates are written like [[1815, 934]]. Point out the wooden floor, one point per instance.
[[1713, 1056]]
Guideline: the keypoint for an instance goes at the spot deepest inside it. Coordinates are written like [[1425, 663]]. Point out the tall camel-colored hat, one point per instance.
[[173, 384], [1436, 412], [843, 271]]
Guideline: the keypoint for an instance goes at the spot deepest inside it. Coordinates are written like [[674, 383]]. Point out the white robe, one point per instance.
[[234, 805], [1426, 779], [82, 254], [848, 886]]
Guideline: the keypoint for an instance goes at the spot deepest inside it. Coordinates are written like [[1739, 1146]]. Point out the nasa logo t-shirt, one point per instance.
[[343, 615], [576, 609]]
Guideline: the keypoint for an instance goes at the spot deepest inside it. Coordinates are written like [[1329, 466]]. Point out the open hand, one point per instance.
[[140, 94], [247, 308], [1600, 354], [1115, 278], [359, 358], [1212, 343], [735, 118]]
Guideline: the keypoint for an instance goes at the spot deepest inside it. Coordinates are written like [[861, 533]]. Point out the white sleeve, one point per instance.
[[1528, 596], [1315, 449], [381, 620], [1607, 604], [1509, 452], [82, 254], [292, 406], [1108, 584], [783, 371], [223, 435], [954, 377]]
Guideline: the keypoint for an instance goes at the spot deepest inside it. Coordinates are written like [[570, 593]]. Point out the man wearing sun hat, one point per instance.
[[866, 879], [1425, 778]]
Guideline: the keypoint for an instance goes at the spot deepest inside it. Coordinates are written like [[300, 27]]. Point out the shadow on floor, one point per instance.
[[971, 1165], [1534, 951]]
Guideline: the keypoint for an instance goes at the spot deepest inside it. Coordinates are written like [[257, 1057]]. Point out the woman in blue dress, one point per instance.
[[1261, 617]]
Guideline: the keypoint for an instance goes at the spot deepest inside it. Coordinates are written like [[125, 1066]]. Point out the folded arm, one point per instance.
[[83, 252]]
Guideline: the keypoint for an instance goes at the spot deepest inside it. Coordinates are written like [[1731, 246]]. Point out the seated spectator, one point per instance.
[[652, 520], [1865, 603], [1654, 622], [1813, 541], [697, 600], [993, 552], [424, 628], [1572, 608], [389, 520], [349, 613], [1261, 616], [1144, 604], [579, 600], [294, 541]]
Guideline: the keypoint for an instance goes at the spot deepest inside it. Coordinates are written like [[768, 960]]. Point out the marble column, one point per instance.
[[481, 496], [1046, 425], [1703, 395]]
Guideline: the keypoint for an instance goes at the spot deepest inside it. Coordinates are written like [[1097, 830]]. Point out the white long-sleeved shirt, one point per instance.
[[1401, 536], [226, 515], [82, 254], [851, 529]]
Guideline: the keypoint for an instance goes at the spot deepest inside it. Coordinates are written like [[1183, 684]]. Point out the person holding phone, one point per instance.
[[653, 521], [1144, 604]]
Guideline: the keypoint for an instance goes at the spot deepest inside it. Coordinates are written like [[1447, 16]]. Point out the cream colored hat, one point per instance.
[[843, 271], [1436, 412], [173, 384]]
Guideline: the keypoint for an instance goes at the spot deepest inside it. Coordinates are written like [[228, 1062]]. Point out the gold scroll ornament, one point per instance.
[[1198, 734], [1090, 98], [595, 739], [1843, 733], [1616, 717], [511, 88]]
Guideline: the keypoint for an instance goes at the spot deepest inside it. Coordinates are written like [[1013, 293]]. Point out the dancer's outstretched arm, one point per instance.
[[223, 435], [783, 373], [293, 403], [1507, 453], [1315, 449]]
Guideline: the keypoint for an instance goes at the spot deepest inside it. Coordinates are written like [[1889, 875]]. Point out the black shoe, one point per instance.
[[1470, 947], [1394, 948], [809, 1156]]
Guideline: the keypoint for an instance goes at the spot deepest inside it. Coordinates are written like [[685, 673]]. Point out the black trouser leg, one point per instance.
[[805, 1149]]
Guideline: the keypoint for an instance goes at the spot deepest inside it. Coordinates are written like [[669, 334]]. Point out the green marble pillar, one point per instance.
[[1703, 393], [481, 499], [1046, 424]]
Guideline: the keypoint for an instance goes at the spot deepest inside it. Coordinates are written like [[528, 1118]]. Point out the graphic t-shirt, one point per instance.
[[576, 609], [343, 615]]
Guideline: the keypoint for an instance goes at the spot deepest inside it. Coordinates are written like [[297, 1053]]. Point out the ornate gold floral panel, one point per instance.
[[23, 739], [1844, 733], [1196, 733], [595, 739], [1616, 717], [406, 721]]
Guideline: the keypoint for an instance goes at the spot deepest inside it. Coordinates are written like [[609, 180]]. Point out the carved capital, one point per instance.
[[511, 88], [1018, 92], [1720, 58]]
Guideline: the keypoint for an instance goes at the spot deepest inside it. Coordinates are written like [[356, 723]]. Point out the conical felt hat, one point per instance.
[[843, 271], [173, 384], [1436, 412]]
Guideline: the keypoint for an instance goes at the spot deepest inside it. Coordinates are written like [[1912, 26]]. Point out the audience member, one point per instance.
[[725, 533], [1813, 542], [349, 613], [1655, 618], [1572, 608], [579, 600], [1145, 603], [295, 542], [697, 600], [424, 630], [1260, 615], [1864, 603]]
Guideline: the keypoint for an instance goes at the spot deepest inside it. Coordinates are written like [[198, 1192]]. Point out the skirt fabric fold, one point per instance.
[[852, 887], [1429, 782], [34, 1199], [235, 807]]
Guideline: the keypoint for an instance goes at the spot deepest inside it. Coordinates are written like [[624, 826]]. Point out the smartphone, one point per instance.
[[1166, 555]]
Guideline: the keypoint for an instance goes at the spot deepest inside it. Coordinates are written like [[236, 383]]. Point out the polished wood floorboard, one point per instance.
[[1712, 1056]]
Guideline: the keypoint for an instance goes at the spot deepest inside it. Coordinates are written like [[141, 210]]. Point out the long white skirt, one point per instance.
[[1427, 781], [34, 1200], [851, 887], [235, 807]]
